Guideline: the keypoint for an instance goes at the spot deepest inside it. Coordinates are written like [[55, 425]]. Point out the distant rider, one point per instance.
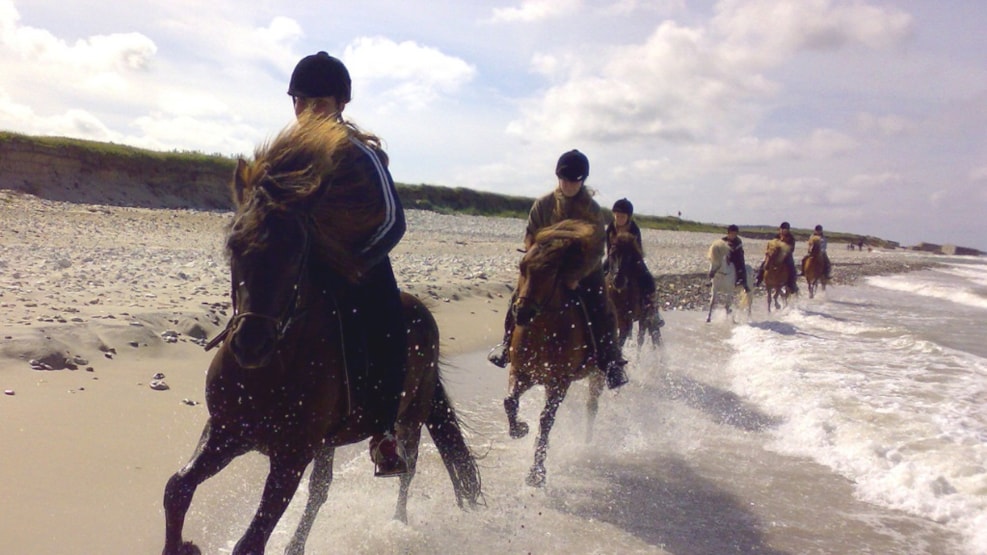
[[785, 235], [827, 268], [736, 256], [571, 199], [623, 222]]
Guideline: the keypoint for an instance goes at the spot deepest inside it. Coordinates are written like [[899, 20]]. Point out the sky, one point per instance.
[[863, 116]]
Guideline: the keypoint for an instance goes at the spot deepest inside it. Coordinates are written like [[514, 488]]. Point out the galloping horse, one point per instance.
[[776, 272], [814, 266], [723, 286], [626, 262], [279, 383], [552, 343]]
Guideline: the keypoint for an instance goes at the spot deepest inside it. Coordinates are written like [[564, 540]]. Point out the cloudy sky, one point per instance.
[[866, 116]]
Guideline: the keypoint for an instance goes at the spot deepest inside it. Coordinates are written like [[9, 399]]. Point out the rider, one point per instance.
[[377, 346], [573, 200], [785, 235], [736, 255], [623, 221], [822, 248]]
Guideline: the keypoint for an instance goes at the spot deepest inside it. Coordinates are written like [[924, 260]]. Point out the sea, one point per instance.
[[854, 422]]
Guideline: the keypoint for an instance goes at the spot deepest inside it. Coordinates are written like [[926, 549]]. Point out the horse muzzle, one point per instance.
[[253, 341], [525, 312]]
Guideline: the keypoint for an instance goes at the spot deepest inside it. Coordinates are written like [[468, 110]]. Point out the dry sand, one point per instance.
[[104, 299]]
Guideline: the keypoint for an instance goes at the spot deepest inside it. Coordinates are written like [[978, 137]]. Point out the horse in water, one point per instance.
[[814, 266], [626, 263], [279, 383], [723, 279], [776, 272], [552, 344]]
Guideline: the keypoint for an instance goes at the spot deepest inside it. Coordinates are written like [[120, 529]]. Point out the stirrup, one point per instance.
[[389, 457], [498, 356]]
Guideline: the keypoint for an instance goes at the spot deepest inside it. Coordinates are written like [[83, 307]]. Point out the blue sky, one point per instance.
[[862, 116]]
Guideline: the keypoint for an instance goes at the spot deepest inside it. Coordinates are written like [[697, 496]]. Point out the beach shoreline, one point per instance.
[[100, 301]]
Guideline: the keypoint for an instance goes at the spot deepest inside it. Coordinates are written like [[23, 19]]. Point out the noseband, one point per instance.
[[281, 323]]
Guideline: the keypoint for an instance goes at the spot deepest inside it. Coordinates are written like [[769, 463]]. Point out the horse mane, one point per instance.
[[778, 248], [626, 242], [814, 242], [563, 245], [310, 170], [717, 250]]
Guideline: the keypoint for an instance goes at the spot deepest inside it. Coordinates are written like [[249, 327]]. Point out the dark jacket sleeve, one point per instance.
[[392, 227]]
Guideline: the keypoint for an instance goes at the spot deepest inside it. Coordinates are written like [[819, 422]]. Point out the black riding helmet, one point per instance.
[[572, 165], [320, 75], [623, 206]]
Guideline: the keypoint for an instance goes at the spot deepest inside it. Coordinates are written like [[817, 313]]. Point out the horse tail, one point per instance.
[[444, 427]]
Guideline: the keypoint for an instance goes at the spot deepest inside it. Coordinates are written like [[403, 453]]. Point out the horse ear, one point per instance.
[[239, 185]]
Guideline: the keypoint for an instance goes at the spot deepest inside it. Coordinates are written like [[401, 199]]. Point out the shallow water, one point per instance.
[[855, 422]]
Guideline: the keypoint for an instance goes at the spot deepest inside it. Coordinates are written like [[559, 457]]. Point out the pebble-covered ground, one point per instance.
[[62, 261]]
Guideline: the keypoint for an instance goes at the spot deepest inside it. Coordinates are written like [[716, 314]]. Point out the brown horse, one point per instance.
[[279, 382], [551, 345], [776, 272], [814, 266], [626, 262]]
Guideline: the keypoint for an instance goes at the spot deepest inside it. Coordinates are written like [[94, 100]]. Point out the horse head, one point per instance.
[[776, 251], [268, 251], [289, 219], [557, 252], [624, 257]]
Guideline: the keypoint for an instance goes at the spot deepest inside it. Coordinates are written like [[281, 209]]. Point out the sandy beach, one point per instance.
[[104, 310]]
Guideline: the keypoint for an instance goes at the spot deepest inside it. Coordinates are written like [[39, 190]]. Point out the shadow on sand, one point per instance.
[[664, 503], [722, 406]]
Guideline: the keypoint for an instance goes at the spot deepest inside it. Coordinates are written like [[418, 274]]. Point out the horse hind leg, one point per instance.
[[318, 492], [212, 454], [412, 442], [593, 402]]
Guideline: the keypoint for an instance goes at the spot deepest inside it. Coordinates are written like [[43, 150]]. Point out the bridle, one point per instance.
[[282, 323]]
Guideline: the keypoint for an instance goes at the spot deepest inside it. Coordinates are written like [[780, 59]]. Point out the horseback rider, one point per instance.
[[573, 200], [827, 268], [623, 221], [736, 256], [370, 309], [784, 235]]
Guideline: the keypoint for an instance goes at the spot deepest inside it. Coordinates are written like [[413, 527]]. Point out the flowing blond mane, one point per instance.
[[311, 170]]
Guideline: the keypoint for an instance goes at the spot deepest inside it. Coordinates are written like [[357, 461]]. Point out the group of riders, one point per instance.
[[320, 87], [736, 256]]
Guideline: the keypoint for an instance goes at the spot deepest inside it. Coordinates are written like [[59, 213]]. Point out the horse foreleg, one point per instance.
[[212, 454], [712, 302], [282, 482], [553, 398], [318, 492], [518, 386], [412, 440]]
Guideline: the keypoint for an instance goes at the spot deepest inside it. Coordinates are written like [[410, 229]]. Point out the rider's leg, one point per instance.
[[382, 315], [792, 284], [498, 355], [603, 322], [759, 277]]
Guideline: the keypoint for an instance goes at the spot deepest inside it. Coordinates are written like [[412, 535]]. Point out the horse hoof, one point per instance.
[[187, 548], [520, 430], [536, 478]]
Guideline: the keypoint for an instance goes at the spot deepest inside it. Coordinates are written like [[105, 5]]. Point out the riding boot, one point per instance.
[[759, 277], [498, 356]]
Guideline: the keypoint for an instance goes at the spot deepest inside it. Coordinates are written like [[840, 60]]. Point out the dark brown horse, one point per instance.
[[814, 266], [626, 264], [776, 272], [551, 345], [279, 383]]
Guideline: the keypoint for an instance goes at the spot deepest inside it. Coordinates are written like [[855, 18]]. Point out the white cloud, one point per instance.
[[888, 124], [535, 10], [412, 74]]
